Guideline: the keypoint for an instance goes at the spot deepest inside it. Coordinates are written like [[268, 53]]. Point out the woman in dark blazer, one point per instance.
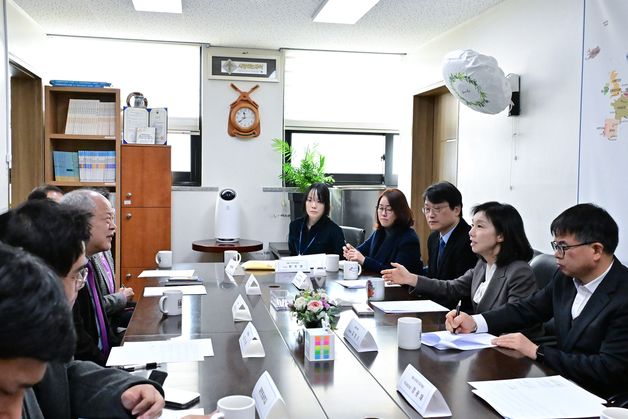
[[394, 239], [315, 232], [502, 273]]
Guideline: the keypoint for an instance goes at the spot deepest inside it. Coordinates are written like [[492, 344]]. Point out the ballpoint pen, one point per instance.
[[457, 313], [131, 368]]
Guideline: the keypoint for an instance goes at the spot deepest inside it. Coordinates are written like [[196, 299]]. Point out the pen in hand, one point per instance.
[[457, 314]]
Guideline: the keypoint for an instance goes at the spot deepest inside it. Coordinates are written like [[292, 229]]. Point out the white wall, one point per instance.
[[27, 40], [4, 112], [541, 41], [244, 165]]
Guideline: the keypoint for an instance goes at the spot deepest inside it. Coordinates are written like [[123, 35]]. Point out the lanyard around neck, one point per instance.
[[301, 238]]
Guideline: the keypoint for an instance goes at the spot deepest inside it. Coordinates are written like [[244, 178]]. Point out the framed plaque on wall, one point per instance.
[[252, 65]]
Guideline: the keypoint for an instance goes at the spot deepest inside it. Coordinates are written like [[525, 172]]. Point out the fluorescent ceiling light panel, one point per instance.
[[160, 6], [343, 11]]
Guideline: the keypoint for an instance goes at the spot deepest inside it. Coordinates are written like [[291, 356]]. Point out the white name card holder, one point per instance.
[[231, 267], [250, 343], [359, 337], [268, 400], [240, 310], [422, 395], [302, 281], [252, 286], [292, 265]]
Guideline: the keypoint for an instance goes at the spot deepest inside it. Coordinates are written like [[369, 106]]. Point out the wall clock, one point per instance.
[[244, 115]]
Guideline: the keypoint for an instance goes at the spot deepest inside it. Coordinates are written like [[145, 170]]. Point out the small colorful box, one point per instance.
[[319, 345]]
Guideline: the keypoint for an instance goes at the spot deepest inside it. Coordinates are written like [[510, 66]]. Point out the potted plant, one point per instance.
[[312, 307], [310, 170]]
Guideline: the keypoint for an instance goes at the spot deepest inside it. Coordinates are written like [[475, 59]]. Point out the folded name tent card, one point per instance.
[[250, 343], [252, 286], [292, 265], [231, 267], [464, 342], [240, 310], [359, 337], [422, 395], [352, 283], [302, 281], [268, 401]]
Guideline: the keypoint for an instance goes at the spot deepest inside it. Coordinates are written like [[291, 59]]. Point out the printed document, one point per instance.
[[447, 340], [185, 289], [411, 306], [538, 398], [181, 273]]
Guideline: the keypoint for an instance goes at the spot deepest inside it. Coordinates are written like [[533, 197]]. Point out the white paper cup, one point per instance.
[[614, 413], [235, 407], [409, 333], [232, 254], [163, 259]]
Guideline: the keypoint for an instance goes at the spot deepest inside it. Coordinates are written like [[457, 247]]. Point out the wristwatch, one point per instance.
[[540, 356]]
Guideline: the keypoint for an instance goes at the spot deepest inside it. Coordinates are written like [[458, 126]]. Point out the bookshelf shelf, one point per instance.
[[82, 137], [64, 184]]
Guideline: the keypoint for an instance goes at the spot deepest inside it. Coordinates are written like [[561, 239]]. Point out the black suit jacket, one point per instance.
[[324, 237], [401, 245], [458, 258], [593, 351]]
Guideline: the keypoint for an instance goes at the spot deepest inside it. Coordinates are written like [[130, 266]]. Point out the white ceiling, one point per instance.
[[390, 26]]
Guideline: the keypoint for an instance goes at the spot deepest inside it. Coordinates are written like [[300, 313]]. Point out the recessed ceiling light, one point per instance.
[[160, 6], [343, 11]]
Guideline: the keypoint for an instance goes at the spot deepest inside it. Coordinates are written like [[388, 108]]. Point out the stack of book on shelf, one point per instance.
[[91, 117], [85, 166]]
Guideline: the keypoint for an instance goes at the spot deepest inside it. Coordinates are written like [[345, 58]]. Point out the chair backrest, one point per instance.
[[544, 267], [353, 235]]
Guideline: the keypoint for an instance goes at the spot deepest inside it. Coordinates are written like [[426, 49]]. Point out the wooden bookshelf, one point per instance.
[[57, 100]]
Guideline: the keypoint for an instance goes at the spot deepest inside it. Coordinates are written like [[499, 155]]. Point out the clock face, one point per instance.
[[245, 117]]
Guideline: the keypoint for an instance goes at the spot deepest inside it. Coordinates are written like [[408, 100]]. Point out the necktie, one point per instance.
[[100, 316], [441, 251]]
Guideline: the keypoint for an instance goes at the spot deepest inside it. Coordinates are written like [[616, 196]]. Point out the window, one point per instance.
[[174, 84], [351, 158]]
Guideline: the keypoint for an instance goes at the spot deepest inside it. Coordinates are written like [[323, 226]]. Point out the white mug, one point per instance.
[[235, 407], [232, 254], [614, 413], [375, 289], [409, 333], [351, 270], [163, 258], [170, 302], [332, 262]]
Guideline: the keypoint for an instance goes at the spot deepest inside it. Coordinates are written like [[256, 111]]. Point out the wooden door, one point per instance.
[[445, 141], [146, 179], [144, 231]]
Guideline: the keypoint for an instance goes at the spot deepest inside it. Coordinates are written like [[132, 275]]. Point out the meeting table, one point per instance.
[[353, 385]]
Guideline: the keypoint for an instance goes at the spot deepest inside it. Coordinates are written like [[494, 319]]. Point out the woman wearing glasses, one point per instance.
[[315, 232], [502, 273], [394, 239]]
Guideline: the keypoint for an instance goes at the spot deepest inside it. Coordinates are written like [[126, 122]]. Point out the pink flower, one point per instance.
[[315, 306]]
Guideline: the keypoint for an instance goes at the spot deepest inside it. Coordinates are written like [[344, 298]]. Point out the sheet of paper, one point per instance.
[[185, 289], [182, 273], [134, 353], [447, 340], [538, 398], [411, 306], [178, 414], [203, 346], [352, 283]]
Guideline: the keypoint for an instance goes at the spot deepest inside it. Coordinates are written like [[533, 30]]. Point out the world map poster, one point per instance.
[[603, 168]]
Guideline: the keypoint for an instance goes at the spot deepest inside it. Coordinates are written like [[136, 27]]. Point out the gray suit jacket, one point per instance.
[[509, 283]]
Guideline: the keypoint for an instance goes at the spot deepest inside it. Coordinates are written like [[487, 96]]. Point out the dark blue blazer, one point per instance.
[[324, 237], [592, 350], [401, 246]]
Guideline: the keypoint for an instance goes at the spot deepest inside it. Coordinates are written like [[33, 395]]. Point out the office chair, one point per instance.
[[544, 268], [353, 235]]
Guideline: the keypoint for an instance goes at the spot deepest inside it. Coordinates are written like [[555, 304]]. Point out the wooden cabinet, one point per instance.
[[145, 210], [56, 138]]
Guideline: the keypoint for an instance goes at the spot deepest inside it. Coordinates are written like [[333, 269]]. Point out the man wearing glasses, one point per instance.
[[588, 298], [449, 247], [56, 234]]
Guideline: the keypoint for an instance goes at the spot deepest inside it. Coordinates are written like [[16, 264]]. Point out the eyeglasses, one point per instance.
[[384, 210], [562, 248], [81, 278], [433, 210]]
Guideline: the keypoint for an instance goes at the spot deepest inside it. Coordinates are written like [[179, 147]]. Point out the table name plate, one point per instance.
[[250, 343], [302, 281], [240, 310], [252, 286], [422, 395], [268, 400], [231, 267], [359, 337]]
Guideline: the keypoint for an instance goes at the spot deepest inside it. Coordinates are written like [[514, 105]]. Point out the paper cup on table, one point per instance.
[[409, 333], [235, 407]]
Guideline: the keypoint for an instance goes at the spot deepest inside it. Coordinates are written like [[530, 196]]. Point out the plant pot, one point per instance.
[[297, 200]]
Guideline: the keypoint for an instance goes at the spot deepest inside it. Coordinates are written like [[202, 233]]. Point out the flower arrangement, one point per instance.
[[311, 307]]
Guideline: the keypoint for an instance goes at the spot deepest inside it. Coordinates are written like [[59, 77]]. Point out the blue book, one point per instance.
[[79, 83]]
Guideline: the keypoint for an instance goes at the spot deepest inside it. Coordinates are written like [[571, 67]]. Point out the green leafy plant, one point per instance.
[[311, 169]]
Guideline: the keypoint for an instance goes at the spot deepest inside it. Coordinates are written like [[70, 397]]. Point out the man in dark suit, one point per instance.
[[588, 298], [449, 248]]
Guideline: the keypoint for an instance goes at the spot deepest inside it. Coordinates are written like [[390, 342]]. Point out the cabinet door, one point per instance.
[[146, 176], [130, 280], [144, 231]]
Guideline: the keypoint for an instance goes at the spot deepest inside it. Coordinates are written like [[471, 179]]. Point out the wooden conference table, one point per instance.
[[354, 385]]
